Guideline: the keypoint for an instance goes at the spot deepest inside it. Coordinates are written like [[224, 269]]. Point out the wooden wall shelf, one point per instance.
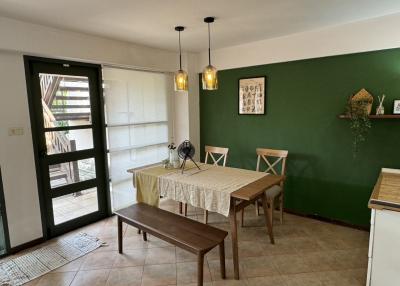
[[385, 116]]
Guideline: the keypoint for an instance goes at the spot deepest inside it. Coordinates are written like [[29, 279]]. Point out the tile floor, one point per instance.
[[307, 252]]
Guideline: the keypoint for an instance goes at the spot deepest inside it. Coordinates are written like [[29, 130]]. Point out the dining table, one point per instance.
[[224, 190]]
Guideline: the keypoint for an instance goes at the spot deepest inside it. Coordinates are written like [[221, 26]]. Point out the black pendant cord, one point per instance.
[[209, 45], [180, 52]]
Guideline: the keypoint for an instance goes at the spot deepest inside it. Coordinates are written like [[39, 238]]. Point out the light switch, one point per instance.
[[15, 131]]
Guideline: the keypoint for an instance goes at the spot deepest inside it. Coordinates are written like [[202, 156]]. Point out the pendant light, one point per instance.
[[180, 77], [209, 77]]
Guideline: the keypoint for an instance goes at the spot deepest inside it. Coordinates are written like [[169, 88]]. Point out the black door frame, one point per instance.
[[3, 212], [97, 109]]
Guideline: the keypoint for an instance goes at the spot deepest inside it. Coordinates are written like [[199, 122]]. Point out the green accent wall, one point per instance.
[[303, 100]]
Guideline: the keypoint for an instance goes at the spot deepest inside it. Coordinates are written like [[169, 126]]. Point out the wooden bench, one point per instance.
[[190, 235]]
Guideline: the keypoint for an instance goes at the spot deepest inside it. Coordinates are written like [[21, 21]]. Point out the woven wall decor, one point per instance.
[[362, 99]]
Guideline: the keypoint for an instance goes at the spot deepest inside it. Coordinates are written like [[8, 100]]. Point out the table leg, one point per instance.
[[222, 259], [233, 222], [205, 216], [257, 208], [180, 207], [119, 235], [267, 218], [200, 265]]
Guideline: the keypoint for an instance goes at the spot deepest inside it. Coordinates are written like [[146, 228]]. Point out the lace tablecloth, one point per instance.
[[209, 188]]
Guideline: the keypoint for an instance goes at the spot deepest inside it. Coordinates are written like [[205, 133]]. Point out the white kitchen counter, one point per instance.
[[384, 244]]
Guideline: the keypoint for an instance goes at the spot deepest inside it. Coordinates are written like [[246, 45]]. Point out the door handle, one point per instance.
[[42, 153]]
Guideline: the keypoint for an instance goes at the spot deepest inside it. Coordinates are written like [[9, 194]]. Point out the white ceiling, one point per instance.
[[151, 22]]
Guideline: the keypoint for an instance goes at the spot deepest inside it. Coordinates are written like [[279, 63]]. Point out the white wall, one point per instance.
[[187, 112], [44, 41], [194, 104], [373, 34], [181, 117], [16, 156]]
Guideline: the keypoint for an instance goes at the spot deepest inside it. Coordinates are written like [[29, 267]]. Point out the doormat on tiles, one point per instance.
[[22, 269]]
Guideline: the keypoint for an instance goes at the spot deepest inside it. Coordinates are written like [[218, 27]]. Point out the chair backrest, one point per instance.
[[272, 158], [211, 151]]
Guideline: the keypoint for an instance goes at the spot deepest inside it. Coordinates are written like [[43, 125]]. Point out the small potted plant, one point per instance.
[[358, 109]]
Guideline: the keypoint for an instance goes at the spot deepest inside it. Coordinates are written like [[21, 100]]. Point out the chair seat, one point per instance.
[[273, 191]]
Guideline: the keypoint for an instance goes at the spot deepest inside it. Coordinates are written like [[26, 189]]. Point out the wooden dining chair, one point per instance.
[[217, 155], [273, 159], [211, 151]]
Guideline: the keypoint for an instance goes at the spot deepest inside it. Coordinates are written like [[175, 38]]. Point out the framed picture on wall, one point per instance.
[[396, 106], [252, 95]]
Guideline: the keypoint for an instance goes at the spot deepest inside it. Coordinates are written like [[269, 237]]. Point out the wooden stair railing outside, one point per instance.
[[60, 144], [49, 84], [59, 141]]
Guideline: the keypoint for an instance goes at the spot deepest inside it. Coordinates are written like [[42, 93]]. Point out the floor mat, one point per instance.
[[22, 269]]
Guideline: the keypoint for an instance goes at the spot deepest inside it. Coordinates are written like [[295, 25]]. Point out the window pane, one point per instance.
[[69, 140], [122, 194], [137, 107], [74, 205], [72, 172], [137, 136], [65, 100], [121, 161], [136, 96], [122, 191]]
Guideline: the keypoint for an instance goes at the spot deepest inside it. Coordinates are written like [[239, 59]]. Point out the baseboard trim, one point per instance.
[[40, 240], [324, 219], [26, 245]]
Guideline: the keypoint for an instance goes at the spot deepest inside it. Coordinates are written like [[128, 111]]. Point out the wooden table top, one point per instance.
[[254, 189], [134, 170], [386, 193]]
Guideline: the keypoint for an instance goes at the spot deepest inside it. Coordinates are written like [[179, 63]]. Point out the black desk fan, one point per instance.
[[186, 151]]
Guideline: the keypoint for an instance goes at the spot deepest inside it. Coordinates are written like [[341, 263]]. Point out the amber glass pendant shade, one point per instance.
[[210, 73], [181, 80], [210, 78]]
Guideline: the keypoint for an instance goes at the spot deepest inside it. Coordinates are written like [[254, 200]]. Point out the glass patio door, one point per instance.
[[68, 134]]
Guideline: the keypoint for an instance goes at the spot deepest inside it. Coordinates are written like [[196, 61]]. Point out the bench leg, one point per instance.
[[144, 236], [139, 231], [200, 264], [180, 207], [222, 259], [119, 235]]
